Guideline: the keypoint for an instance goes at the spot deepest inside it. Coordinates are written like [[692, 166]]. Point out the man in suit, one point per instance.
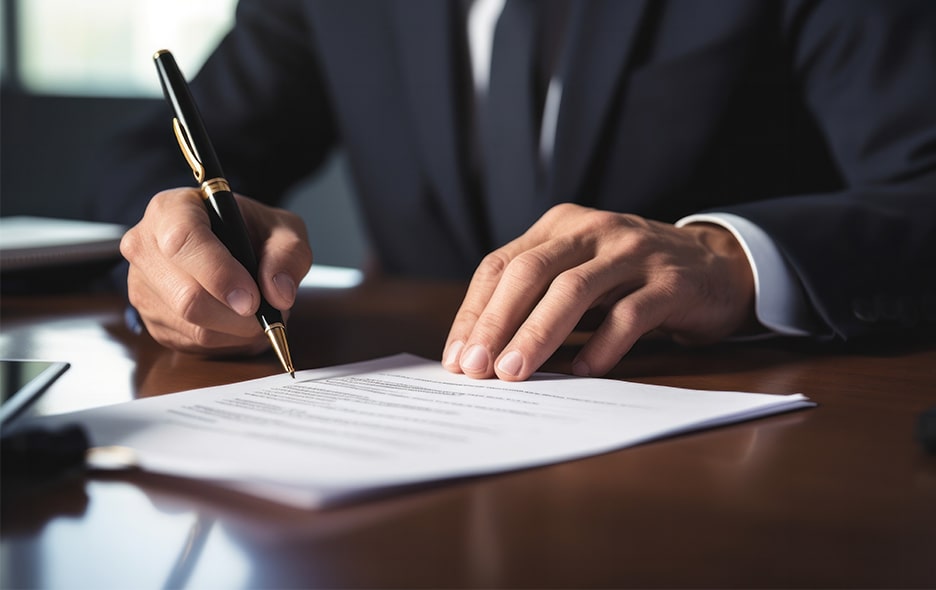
[[707, 169]]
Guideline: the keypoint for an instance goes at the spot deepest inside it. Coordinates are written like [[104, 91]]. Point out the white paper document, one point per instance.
[[338, 433]]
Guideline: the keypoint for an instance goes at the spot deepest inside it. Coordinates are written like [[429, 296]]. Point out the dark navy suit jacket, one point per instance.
[[815, 120]]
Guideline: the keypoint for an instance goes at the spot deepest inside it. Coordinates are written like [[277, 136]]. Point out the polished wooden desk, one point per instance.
[[836, 496]]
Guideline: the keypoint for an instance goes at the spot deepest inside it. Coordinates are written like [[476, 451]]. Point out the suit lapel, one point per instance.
[[601, 40], [428, 67]]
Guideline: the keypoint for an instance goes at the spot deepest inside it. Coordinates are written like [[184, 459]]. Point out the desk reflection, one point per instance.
[[796, 500]]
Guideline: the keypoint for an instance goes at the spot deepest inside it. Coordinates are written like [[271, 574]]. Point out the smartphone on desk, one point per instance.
[[22, 382]]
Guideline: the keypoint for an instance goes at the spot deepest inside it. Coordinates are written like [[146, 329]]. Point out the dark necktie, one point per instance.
[[509, 125]]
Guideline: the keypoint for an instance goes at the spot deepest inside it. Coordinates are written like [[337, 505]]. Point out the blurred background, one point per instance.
[[73, 72]]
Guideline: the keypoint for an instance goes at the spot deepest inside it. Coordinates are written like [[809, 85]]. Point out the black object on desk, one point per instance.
[[30, 456], [926, 430], [37, 455]]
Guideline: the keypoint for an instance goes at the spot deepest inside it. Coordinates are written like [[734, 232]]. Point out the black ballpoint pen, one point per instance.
[[226, 220]]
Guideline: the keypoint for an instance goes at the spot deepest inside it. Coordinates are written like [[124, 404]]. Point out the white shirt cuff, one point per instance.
[[779, 301]]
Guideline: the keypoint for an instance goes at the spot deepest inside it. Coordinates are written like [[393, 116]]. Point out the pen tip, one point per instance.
[[277, 334]]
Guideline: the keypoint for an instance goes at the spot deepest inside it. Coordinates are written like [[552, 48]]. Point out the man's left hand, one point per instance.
[[526, 298]]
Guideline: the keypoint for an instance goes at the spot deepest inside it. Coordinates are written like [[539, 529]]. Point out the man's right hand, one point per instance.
[[191, 293]]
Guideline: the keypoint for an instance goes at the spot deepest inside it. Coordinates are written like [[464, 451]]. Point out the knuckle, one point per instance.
[[175, 240], [560, 211], [537, 334], [528, 267], [603, 220], [466, 318], [162, 204], [135, 294], [159, 202], [300, 250], [289, 227], [130, 244], [572, 285], [295, 223], [635, 239], [295, 241], [623, 317], [187, 300], [202, 337], [486, 329], [492, 266], [292, 250]]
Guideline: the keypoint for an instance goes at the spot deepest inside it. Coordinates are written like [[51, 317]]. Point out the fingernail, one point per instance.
[[454, 349], [286, 286], [581, 369], [511, 363], [240, 301], [475, 360]]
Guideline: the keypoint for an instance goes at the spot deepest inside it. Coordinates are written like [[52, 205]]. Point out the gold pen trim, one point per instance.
[[215, 185], [185, 143]]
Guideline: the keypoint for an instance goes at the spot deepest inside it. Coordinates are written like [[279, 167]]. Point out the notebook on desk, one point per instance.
[[29, 243]]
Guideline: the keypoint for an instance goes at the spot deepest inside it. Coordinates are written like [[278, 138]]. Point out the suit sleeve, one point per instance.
[[263, 103], [866, 254]]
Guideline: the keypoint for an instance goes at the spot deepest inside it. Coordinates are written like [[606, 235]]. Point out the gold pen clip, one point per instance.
[[185, 143]]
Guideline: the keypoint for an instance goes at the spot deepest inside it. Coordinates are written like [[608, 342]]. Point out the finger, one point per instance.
[[522, 284], [181, 231], [169, 330], [284, 259], [630, 318], [479, 292], [202, 340], [181, 305], [555, 316], [488, 275]]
